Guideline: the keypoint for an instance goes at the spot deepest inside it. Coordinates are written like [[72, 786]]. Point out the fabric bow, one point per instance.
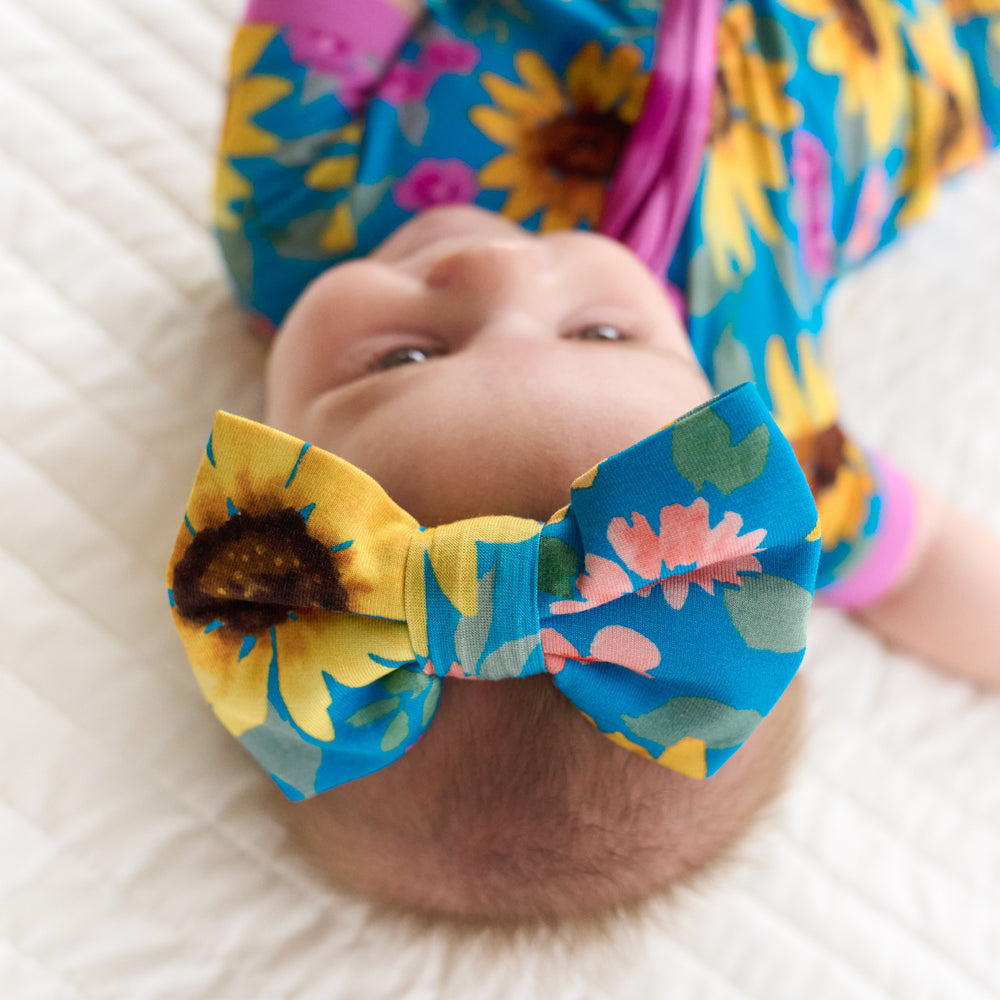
[[668, 601]]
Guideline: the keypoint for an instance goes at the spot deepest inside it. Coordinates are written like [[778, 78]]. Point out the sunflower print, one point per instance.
[[562, 137], [948, 129], [749, 112], [336, 172], [805, 409], [249, 94], [259, 540], [859, 41]]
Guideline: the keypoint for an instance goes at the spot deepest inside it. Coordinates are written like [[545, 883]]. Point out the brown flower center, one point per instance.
[[820, 455], [252, 571], [583, 144], [951, 128], [858, 24]]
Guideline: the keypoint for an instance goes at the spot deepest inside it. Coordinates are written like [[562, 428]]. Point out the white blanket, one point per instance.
[[137, 857]]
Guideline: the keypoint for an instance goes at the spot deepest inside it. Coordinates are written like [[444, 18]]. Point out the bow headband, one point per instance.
[[668, 601]]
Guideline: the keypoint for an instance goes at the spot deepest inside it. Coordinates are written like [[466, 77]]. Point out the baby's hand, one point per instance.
[[946, 607]]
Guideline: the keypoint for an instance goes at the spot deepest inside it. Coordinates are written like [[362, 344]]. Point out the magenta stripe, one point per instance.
[[890, 552], [654, 186], [374, 26]]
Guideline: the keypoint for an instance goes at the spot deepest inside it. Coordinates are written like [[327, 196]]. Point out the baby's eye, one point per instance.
[[600, 331], [400, 356]]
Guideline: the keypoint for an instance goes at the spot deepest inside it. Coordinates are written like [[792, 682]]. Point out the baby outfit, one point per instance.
[[749, 151]]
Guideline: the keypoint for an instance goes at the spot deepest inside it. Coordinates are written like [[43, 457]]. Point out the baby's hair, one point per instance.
[[513, 814]]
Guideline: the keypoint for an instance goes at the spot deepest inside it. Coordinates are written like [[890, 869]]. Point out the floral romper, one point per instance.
[[828, 126]]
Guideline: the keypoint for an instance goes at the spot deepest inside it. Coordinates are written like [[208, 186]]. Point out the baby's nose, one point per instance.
[[489, 270]]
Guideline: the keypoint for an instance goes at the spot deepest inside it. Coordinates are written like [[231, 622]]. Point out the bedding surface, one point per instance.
[[139, 854]]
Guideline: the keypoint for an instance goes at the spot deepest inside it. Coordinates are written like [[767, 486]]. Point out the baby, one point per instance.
[[473, 367]]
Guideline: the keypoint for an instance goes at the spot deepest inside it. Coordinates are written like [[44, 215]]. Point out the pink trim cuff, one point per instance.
[[374, 26], [889, 554]]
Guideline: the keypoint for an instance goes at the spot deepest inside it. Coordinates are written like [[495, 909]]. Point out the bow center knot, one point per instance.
[[472, 598]]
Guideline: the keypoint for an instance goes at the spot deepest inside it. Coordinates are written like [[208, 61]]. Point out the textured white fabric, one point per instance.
[[138, 859]]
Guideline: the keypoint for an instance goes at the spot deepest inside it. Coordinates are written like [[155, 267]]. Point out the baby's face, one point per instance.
[[474, 368]]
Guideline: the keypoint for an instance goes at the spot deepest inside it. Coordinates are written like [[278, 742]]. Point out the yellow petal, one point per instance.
[[817, 385], [583, 71], [536, 72], [305, 646], [241, 136], [235, 688], [332, 173], [788, 406], [230, 186], [339, 236], [687, 756], [496, 125], [521, 103], [454, 556], [506, 171], [248, 47]]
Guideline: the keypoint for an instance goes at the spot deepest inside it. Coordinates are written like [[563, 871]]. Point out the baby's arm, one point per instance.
[[945, 607]]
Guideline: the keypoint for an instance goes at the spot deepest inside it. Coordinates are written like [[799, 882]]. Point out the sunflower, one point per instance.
[[805, 408], [859, 41], [563, 138], [264, 571], [743, 157], [948, 134], [249, 94]]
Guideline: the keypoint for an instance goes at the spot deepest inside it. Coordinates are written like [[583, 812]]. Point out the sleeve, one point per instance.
[[302, 77]]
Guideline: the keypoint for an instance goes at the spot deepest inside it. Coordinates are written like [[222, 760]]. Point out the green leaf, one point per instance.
[[558, 567], [472, 631], [301, 237], [731, 362], [718, 724], [509, 659], [769, 612], [774, 42], [413, 118], [431, 702], [705, 288], [704, 452], [852, 142], [279, 748], [365, 198], [373, 712], [398, 730], [402, 681], [238, 253]]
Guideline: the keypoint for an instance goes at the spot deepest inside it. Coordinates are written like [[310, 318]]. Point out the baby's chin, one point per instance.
[[514, 809]]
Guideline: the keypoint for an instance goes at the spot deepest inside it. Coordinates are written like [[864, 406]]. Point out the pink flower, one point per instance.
[[436, 182], [613, 644], [322, 49], [445, 55], [405, 83], [810, 170], [719, 553], [455, 670], [874, 203], [601, 581]]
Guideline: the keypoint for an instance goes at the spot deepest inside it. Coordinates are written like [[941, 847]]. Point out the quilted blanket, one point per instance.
[[138, 857]]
